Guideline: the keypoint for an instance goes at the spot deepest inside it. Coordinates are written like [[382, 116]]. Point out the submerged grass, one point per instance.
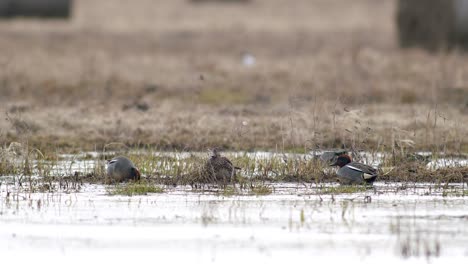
[[343, 189], [454, 193], [131, 189]]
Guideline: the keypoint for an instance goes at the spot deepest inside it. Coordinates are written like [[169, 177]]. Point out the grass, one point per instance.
[[318, 83], [343, 189], [132, 189], [359, 90], [220, 96], [261, 190], [186, 168], [454, 193], [229, 191]]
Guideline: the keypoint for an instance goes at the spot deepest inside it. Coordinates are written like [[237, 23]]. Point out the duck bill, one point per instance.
[[333, 162]]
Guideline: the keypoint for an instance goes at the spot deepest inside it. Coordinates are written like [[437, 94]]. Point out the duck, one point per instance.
[[220, 169], [354, 172], [120, 169], [331, 155]]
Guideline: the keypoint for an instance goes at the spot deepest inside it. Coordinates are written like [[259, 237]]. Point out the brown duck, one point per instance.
[[220, 169]]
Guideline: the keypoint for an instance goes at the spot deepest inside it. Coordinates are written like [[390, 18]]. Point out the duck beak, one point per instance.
[[333, 162]]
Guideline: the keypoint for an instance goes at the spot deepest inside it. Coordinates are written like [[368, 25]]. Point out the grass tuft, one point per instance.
[[131, 189], [229, 191], [261, 190]]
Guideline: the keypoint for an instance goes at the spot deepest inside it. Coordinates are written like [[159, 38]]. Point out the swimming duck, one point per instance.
[[121, 169], [354, 172]]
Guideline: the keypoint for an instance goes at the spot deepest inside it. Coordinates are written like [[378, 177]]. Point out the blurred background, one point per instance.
[[241, 74]]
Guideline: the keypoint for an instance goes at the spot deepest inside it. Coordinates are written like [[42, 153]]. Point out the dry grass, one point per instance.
[[170, 75]]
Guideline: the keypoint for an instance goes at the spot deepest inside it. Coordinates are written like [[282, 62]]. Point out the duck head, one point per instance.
[[330, 156], [135, 174], [342, 160], [215, 152]]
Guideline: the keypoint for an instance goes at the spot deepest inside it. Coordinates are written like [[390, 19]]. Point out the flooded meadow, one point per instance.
[[272, 82], [425, 222]]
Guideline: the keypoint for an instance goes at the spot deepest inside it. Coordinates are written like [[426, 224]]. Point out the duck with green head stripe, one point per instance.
[[354, 172]]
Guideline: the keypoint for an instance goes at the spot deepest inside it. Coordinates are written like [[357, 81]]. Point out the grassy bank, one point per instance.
[[152, 83], [150, 80]]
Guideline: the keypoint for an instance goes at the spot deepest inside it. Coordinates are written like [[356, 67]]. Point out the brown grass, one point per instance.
[[169, 74]]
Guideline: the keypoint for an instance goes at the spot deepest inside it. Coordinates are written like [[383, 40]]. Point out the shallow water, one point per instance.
[[389, 223]]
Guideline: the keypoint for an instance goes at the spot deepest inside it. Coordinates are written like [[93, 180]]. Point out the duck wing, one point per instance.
[[357, 173], [228, 164], [368, 171]]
